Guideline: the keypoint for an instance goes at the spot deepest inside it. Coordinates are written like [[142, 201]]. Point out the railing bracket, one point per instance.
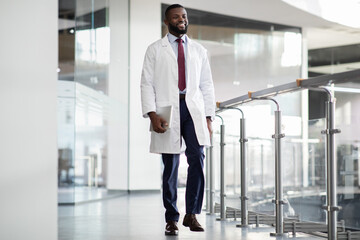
[[277, 136], [330, 131]]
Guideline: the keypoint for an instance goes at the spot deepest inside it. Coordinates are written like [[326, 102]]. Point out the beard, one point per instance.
[[177, 30]]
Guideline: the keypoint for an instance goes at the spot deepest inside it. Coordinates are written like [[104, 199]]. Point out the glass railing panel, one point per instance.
[[347, 151], [260, 175], [308, 148], [302, 156], [259, 152], [302, 152]]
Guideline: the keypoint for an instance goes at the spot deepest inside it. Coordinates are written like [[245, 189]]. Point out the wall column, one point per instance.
[[28, 142]]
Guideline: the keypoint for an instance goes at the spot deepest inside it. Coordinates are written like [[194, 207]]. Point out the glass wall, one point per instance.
[[66, 101], [84, 104], [332, 60]]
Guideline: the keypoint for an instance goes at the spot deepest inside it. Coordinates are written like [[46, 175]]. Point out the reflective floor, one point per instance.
[[140, 215], [78, 195]]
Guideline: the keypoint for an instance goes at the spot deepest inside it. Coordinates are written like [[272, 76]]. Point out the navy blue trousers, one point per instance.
[[195, 176]]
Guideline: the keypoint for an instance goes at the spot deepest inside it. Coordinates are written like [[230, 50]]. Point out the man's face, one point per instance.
[[177, 21]]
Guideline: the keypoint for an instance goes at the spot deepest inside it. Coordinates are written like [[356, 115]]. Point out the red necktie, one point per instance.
[[181, 64]]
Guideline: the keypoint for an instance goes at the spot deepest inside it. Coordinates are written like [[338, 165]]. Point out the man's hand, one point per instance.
[[157, 122], [209, 125]]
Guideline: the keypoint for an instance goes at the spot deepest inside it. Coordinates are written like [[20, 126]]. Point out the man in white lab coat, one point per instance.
[[177, 73]]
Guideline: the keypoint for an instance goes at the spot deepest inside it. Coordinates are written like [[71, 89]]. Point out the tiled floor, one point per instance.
[[141, 216]]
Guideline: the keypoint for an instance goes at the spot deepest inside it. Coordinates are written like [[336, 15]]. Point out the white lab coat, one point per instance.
[[159, 87]]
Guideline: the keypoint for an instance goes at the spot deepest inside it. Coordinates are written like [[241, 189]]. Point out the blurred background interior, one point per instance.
[[103, 141]]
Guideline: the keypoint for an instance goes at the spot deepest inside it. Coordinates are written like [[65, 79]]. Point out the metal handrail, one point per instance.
[[317, 84], [350, 76]]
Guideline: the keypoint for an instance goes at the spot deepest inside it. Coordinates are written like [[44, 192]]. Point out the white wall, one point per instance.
[[145, 28], [28, 149], [117, 171]]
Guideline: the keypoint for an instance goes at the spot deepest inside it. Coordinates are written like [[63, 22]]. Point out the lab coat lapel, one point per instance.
[[166, 44], [188, 61]]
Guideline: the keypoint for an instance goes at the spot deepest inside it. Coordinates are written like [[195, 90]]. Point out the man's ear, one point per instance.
[[166, 22]]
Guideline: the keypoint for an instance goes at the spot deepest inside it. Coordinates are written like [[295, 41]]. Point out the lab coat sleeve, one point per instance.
[[147, 82], [207, 87]]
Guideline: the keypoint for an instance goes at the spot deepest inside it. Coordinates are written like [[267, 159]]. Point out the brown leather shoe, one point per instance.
[[191, 222], [171, 228]]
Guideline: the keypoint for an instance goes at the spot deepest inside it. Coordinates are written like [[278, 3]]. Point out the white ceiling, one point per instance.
[[318, 31]]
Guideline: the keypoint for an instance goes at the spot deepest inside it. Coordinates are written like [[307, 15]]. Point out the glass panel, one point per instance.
[[348, 142], [329, 61], [92, 48], [332, 60], [66, 103], [253, 60], [84, 106], [92, 44]]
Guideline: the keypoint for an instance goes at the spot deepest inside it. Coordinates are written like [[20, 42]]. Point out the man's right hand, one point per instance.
[[157, 122]]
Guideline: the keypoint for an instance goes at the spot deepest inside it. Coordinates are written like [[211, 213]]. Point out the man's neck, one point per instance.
[[177, 34]]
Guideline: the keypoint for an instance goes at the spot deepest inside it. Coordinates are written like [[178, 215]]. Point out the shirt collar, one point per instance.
[[173, 38]]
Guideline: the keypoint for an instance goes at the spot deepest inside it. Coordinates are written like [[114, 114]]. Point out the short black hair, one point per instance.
[[172, 7]]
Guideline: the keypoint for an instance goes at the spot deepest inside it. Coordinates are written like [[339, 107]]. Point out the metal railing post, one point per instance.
[[279, 202], [243, 181], [331, 169], [244, 198], [207, 180], [331, 165], [279, 217], [222, 171], [211, 178]]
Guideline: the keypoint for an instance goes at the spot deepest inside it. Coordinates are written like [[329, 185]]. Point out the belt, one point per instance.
[[182, 96]]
